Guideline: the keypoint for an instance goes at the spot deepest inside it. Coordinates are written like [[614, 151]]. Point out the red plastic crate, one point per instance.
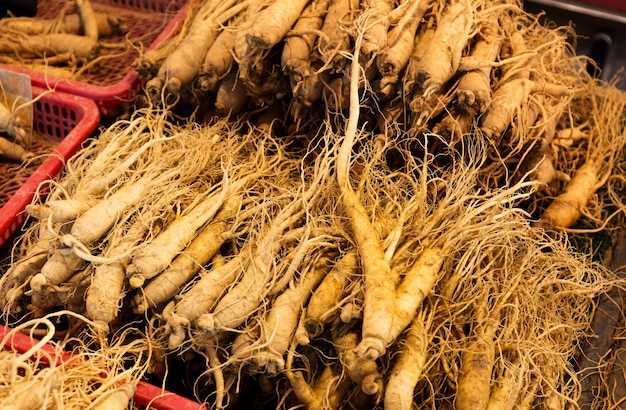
[[149, 23], [146, 394], [64, 121]]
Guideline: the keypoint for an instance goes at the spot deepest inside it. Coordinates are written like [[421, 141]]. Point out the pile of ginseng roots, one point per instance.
[[234, 248], [351, 257], [424, 66]]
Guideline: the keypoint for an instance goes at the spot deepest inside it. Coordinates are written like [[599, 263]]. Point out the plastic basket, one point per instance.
[[149, 23], [63, 121], [146, 395]]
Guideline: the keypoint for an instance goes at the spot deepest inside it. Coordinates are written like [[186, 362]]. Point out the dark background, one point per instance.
[[601, 31], [18, 7]]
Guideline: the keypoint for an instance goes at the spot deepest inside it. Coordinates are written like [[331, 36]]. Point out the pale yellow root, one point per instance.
[[181, 67], [474, 88], [104, 295], [511, 93], [394, 58], [554, 399], [10, 124], [375, 35], [296, 60], [271, 25], [88, 19], [417, 284], [379, 290], [157, 255], [98, 220], [231, 96], [18, 275], [442, 57], [422, 41], [426, 107], [108, 24], [506, 101], [542, 160], [361, 370], [251, 289], [327, 296], [396, 55], [336, 39], [477, 361], [455, 124], [299, 44], [282, 319], [80, 47], [99, 175], [247, 295], [527, 400], [87, 380], [218, 375], [12, 151], [60, 210], [57, 269], [201, 297], [327, 393], [409, 367], [31, 393], [218, 61], [506, 389], [183, 64], [197, 254], [566, 208], [379, 285], [70, 293], [565, 137], [104, 298], [117, 399]]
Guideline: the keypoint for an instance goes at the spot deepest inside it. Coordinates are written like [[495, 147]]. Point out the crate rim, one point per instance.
[[146, 394], [12, 214]]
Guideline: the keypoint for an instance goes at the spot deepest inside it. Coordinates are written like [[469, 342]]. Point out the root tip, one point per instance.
[[37, 211], [136, 281], [206, 322], [102, 328], [38, 282], [313, 328], [370, 348], [176, 339], [372, 384]]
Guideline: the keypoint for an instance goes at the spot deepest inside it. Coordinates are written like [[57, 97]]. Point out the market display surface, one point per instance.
[[334, 205]]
